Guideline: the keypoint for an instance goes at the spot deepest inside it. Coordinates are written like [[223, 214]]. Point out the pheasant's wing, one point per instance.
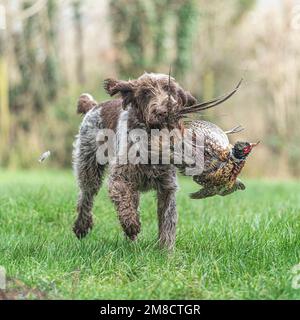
[[211, 132], [216, 143]]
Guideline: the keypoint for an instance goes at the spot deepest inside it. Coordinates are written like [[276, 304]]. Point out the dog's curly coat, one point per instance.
[[147, 103]]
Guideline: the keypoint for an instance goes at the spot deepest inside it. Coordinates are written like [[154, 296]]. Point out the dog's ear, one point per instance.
[[186, 98], [124, 88], [191, 100]]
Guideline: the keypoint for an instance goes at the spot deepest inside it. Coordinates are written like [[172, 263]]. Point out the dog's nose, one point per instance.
[[162, 113]]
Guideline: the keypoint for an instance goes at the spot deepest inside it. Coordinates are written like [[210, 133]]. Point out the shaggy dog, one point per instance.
[[153, 101], [149, 102]]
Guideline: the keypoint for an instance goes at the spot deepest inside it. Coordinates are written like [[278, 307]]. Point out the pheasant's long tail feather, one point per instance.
[[203, 193], [208, 104]]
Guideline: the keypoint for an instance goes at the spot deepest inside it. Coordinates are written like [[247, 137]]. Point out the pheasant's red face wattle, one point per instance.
[[247, 149]]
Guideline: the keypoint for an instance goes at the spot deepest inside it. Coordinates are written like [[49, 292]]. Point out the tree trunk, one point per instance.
[[79, 42], [4, 84]]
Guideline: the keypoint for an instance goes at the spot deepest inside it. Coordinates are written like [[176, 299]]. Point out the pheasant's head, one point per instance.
[[242, 149]]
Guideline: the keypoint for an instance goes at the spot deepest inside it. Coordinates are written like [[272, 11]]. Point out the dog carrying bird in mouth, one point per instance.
[[151, 102]]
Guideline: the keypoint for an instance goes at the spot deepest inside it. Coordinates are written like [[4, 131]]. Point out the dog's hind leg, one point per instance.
[[126, 200], [89, 177], [89, 180]]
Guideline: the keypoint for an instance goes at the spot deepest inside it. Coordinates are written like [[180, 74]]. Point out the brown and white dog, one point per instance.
[[153, 101]]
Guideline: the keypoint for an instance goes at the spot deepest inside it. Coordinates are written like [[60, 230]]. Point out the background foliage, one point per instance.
[[51, 51]]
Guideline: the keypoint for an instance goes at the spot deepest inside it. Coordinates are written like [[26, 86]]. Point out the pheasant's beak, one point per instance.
[[254, 144]]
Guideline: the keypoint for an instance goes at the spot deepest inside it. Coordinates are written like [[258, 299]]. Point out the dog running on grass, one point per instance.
[[153, 101]]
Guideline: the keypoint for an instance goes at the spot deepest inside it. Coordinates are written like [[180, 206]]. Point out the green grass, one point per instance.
[[238, 247]]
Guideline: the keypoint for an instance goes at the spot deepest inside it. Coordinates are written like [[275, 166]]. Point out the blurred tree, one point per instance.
[[36, 58], [185, 30], [277, 68], [142, 28], [128, 36], [77, 15], [51, 67], [241, 8], [140, 40], [215, 28], [160, 29], [4, 83]]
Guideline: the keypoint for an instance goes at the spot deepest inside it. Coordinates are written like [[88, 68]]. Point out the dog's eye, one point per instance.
[[146, 92]]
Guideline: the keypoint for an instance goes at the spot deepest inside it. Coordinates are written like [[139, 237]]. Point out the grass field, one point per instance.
[[239, 247]]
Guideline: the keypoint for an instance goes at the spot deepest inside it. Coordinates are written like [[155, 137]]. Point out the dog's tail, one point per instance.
[[85, 103]]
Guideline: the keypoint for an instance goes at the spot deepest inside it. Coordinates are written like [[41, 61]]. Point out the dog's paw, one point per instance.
[[82, 228], [132, 231]]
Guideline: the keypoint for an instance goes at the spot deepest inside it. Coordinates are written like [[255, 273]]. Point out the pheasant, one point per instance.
[[222, 161]]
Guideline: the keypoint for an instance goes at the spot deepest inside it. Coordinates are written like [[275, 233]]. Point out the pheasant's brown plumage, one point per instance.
[[222, 161]]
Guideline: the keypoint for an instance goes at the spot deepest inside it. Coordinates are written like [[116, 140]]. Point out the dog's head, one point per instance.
[[156, 98]]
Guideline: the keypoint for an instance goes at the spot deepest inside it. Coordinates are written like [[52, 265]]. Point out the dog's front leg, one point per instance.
[[167, 218], [126, 200]]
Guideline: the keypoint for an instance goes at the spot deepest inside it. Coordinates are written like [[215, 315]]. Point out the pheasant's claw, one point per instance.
[[240, 185]]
